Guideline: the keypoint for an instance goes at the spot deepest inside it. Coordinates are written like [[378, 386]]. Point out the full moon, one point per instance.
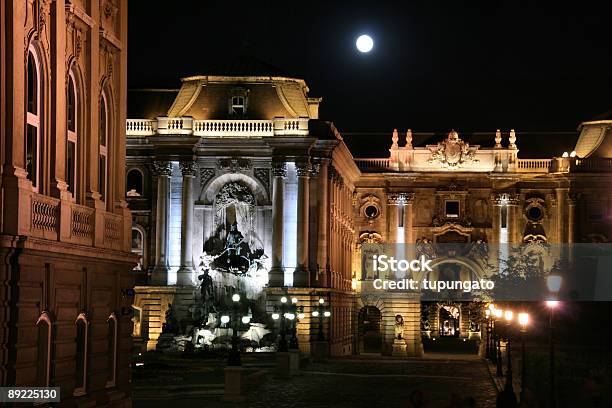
[[364, 43]]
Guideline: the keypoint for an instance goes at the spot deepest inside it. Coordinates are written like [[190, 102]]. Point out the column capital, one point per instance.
[[315, 168], [499, 198], [393, 199], [279, 168], [188, 168], [162, 168], [406, 198], [302, 168]]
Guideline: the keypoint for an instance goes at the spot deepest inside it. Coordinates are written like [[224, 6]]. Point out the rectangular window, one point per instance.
[[32, 154], [71, 167], [452, 208], [102, 177]]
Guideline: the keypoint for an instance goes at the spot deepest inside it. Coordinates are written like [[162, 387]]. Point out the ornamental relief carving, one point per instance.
[[452, 152], [234, 164]]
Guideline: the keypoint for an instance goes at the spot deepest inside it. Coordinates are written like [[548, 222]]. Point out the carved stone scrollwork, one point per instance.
[[452, 152], [406, 198], [279, 169], [370, 237], [188, 168], [393, 199], [263, 175], [315, 168], [505, 199], [234, 165], [206, 174], [162, 168], [302, 169]]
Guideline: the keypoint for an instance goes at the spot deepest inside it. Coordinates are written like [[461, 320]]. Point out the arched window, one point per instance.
[[43, 368], [33, 120], [112, 350], [103, 142], [134, 183], [72, 159], [82, 326], [138, 246]]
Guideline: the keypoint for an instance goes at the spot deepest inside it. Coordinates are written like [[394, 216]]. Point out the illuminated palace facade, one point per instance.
[[65, 226], [245, 151]]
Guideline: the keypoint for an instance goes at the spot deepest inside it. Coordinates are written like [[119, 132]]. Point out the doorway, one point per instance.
[[370, 336]]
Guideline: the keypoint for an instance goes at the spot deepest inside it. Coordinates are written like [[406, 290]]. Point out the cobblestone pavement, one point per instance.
[[367, 383]]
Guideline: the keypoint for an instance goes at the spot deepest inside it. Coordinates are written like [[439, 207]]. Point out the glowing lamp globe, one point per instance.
[[294, 300], [321, 300], [523, 319], [315, 313], [275, 316], [327, 314], [508, 315], [246, 319], [364, 43], [224, 319], [283, 299], [236, 297]]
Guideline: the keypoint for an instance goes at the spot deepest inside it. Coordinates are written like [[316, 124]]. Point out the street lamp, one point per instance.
[[488, 332], [282, 343], [509, 315], [320, 313], [553, 282], [498, 313], [233, 358], [523, 321]]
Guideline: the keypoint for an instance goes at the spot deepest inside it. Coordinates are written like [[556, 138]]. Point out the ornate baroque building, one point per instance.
[[241, 156], [65, 226]]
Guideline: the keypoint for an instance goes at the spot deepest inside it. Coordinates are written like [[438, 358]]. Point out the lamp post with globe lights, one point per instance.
[[508, 316], [281, 313], [553, 282], [320, 313], [233, 358], [295, 314], [488, 333], [498, 313], [523, 319]]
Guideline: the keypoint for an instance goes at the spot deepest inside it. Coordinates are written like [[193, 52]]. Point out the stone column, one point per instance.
[[322, 260], [571, 216], [408, 233], [184, 275], [301, 273], [160, 271], [277, 272], [513, 227], [561, 193], [392, 202]]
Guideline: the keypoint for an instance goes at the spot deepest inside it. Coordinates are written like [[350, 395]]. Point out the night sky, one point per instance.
[[434, 67]]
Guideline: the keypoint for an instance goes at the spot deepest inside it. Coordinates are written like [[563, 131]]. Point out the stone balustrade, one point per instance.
[[533, 165], [217, 128], [141, 127], [46, 215]]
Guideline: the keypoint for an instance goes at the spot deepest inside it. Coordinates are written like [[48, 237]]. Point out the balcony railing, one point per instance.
[[230, 128], [217, 128], [141, 127], [372, 164], [591, 164], [533, 165], [45, 213]]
